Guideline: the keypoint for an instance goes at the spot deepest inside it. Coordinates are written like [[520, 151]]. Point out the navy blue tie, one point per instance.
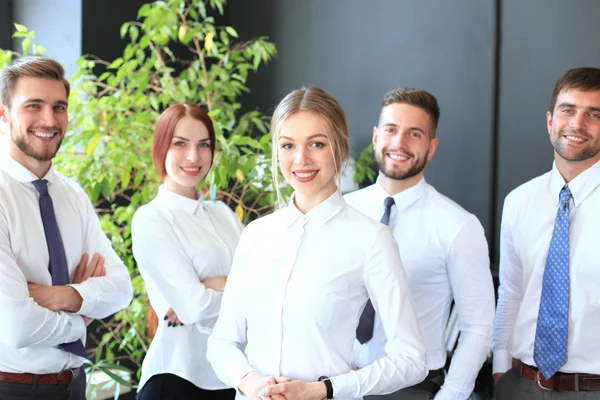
[[550, 346], [364, 331], [59, 269]]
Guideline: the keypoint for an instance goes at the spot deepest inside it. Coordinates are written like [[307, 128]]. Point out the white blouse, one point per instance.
[[178, 242], [298, 286]]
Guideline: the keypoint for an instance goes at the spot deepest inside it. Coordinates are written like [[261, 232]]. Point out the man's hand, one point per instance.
[[65, 298], [296, 390], [497, 377], [56, 298], [217, 283], [84, 271], [172, 318], [253, 383]]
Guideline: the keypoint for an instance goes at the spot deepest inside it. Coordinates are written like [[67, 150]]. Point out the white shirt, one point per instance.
[[30, 333], [177, 243], [445, 256], [297, 288], [527, 224]]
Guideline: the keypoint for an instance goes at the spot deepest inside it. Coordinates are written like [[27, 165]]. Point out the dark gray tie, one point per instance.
[[59, 269], [364, 331]]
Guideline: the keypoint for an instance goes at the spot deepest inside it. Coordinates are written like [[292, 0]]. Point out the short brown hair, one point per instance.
[[34, 67], [414, 97], [586, 79], [165, 129]]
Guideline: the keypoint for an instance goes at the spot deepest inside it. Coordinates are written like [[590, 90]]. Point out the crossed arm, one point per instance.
[[66, 298]]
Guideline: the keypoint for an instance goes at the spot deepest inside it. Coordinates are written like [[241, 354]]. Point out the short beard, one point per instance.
[[413, 170], [23, 145], [585, 154]]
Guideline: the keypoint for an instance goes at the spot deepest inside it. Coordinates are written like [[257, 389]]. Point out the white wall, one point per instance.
[[57, 26]]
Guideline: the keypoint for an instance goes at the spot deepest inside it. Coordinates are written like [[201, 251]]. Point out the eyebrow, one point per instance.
[[412, 128], [187, 140], [571, 105], [308, 138], [59, 102]]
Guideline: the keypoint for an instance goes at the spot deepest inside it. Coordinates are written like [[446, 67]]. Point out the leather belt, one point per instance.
[[62, 378], [560, 381]]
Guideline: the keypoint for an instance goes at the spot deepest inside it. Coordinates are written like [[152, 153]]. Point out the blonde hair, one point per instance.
[[318, 102], [34, 67]]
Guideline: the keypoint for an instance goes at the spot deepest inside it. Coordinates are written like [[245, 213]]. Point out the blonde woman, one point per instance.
[[302, 276], [184, 247]]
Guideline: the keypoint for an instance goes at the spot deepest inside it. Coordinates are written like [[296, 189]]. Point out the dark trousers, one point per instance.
[[19, 391], [512, 386], [172, 387], [425, 390]]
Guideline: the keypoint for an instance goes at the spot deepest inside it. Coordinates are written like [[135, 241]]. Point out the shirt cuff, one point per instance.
[[502, 362], [345, 385], [239, 378], [78, 328], [86, 306]]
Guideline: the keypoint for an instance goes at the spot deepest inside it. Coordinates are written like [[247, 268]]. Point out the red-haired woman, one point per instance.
[[184, 248]]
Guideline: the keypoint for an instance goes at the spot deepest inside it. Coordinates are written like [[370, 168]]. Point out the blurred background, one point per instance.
[[492, 64]]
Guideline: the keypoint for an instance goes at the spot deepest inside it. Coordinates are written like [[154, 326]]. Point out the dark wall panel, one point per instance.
[[6, 24], [101, 24], [357, 50], [541, 39]]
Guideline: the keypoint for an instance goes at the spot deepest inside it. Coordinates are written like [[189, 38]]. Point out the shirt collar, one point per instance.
[[21, 174], [404, 199], [581, 186], [173, 200], [318, 215]]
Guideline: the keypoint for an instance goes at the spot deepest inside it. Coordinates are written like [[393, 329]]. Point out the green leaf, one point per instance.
[[116, 64], [125, 178], [21, 28], [38, 50], [144, 42], [25, 46], [202, 9], [105, 189], [124, 29], [231, 31], [92, 145]]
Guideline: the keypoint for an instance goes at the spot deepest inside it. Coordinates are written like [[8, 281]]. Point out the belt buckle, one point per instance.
[[65, 372], [538, 381]]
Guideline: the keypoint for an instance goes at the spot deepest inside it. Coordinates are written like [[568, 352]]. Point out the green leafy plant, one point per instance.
[[176, 52]]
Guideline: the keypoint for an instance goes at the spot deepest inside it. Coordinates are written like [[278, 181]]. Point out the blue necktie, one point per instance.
[[59, 269], [364, 331], [550, 348]]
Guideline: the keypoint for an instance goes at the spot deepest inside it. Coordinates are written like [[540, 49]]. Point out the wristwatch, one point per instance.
[[328, 385]]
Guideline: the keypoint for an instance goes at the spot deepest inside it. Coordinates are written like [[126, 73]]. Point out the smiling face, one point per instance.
[[306, 159], [37, 120], [188, 158], [574, 128], [403, 143]]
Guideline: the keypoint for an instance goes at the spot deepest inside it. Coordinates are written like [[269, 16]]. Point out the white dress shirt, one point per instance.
[[30, 333], [298, 286], [177, 243], [527, 224], [445, 255]]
